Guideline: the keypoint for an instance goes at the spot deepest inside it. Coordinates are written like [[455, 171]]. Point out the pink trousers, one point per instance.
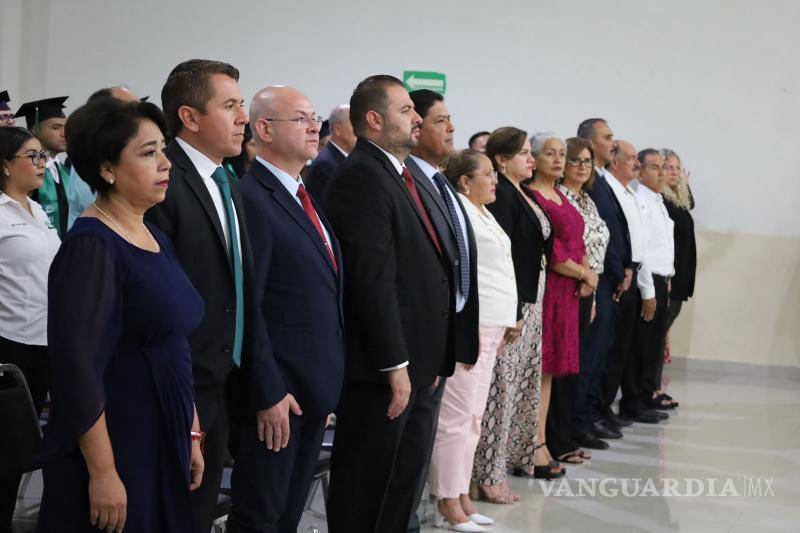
[[463, 404]]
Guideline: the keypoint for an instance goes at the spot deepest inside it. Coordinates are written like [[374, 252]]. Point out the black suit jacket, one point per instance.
[[298, 325], [528, 244], [618, 253], [322, 170], [398, 304], [188, 217], [465, 340]]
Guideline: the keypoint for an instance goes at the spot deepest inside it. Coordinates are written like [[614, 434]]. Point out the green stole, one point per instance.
[[49, 198]]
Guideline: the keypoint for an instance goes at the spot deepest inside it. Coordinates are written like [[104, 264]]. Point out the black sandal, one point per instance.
[[666, 397]]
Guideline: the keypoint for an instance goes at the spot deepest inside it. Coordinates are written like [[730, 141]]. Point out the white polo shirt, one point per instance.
[[28, 244]]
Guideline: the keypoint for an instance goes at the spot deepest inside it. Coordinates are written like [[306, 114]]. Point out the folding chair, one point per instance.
[[22, 432]]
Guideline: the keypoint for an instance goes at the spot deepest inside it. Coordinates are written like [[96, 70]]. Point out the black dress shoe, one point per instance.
[[644, 417], [605, 432], [588, 440], [616, 422], [660, 414]]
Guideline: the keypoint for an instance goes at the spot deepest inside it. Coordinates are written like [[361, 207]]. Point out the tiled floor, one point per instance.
[[729, 427]]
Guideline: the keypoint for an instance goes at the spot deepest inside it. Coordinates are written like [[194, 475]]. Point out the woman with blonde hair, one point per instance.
[[679, 202]]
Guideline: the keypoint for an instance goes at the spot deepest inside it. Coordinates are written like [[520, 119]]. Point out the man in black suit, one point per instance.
[[399, 312], [615, 280], [455, 234], [342, 142], [203, 215], [296, 369]]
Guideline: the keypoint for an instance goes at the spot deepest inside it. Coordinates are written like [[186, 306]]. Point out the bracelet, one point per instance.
[[201, 436], [581, 278]]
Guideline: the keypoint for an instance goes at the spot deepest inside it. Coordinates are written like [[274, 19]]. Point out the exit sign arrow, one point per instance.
[[415, 79]]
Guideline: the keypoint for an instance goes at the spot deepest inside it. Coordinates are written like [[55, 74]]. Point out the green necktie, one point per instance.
[[221, 178]]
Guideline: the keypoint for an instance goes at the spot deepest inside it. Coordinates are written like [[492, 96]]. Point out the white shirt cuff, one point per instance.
[[401, 365]]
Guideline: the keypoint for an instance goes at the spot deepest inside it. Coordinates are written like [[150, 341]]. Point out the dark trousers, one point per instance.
[[589, 397], [639, 383], [212, 410], [269, 489], [32, 361], [673, 311], [560, 416], [433, 399], [626, 311], [377, 463]]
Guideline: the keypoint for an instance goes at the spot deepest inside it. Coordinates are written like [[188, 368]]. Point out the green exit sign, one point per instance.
[[417, 79]]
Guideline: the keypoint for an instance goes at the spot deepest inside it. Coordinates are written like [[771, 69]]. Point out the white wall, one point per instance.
[[716, 80]]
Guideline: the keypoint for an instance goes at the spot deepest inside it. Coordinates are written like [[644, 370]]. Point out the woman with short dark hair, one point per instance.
[[28, 243], [123, 442], [570, 393]]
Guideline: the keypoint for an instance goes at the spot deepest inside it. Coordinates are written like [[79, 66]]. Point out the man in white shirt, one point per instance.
[[655, 271], [625, 169]]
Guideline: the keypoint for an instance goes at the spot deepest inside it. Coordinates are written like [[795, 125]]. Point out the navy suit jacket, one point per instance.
[[466, 344], [322, 170], [298, 325], [618, 253]]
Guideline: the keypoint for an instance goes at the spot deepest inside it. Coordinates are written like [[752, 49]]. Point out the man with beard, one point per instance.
[[399, 312]]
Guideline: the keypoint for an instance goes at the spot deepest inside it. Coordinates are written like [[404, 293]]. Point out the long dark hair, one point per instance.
[[11, 140]]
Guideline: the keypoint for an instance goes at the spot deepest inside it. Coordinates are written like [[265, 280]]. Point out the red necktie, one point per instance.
[[312, 215], [408, 179]]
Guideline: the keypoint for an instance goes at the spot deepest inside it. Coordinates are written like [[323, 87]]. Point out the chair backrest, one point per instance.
[[21, 433]]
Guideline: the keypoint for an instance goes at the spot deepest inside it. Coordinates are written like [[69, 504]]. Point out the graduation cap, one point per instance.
[[37, 111], [4, 100]]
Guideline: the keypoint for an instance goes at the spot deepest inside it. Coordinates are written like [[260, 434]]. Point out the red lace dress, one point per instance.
[[560, 349]]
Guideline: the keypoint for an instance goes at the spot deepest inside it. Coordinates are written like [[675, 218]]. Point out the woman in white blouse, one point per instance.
[[464, 400], [28, 244]]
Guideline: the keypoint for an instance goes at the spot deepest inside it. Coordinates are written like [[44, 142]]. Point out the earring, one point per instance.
[[467, 192], [111, 181]]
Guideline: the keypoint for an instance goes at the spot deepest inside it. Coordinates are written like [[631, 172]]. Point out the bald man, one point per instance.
[[297, 366], [342, 142]]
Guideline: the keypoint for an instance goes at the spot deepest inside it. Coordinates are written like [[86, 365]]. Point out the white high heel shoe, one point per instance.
[[469, 526], [481, 520]]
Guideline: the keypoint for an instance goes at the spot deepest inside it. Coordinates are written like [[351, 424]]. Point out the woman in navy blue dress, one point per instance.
[[120, 450]]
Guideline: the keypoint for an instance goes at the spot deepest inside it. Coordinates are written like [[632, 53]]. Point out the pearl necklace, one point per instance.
[[122, 231]]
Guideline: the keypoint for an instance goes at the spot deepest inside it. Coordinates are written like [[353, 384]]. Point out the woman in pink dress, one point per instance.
[[568, 276]]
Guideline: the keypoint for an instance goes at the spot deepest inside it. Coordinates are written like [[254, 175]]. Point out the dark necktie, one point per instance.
[[220, 176], [408, 179], [463, 255], [308, 207]]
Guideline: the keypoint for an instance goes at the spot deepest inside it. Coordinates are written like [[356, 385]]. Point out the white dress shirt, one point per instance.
[[630, 206], [292, 185], [339, 148], [206, 167], [659, 254], [429, 170], [28, 244], [497, 285]]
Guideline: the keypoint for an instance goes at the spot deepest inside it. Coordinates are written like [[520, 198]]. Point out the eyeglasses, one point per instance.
[[305, 120], [5, 117], [35, 157], [588, 163]]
